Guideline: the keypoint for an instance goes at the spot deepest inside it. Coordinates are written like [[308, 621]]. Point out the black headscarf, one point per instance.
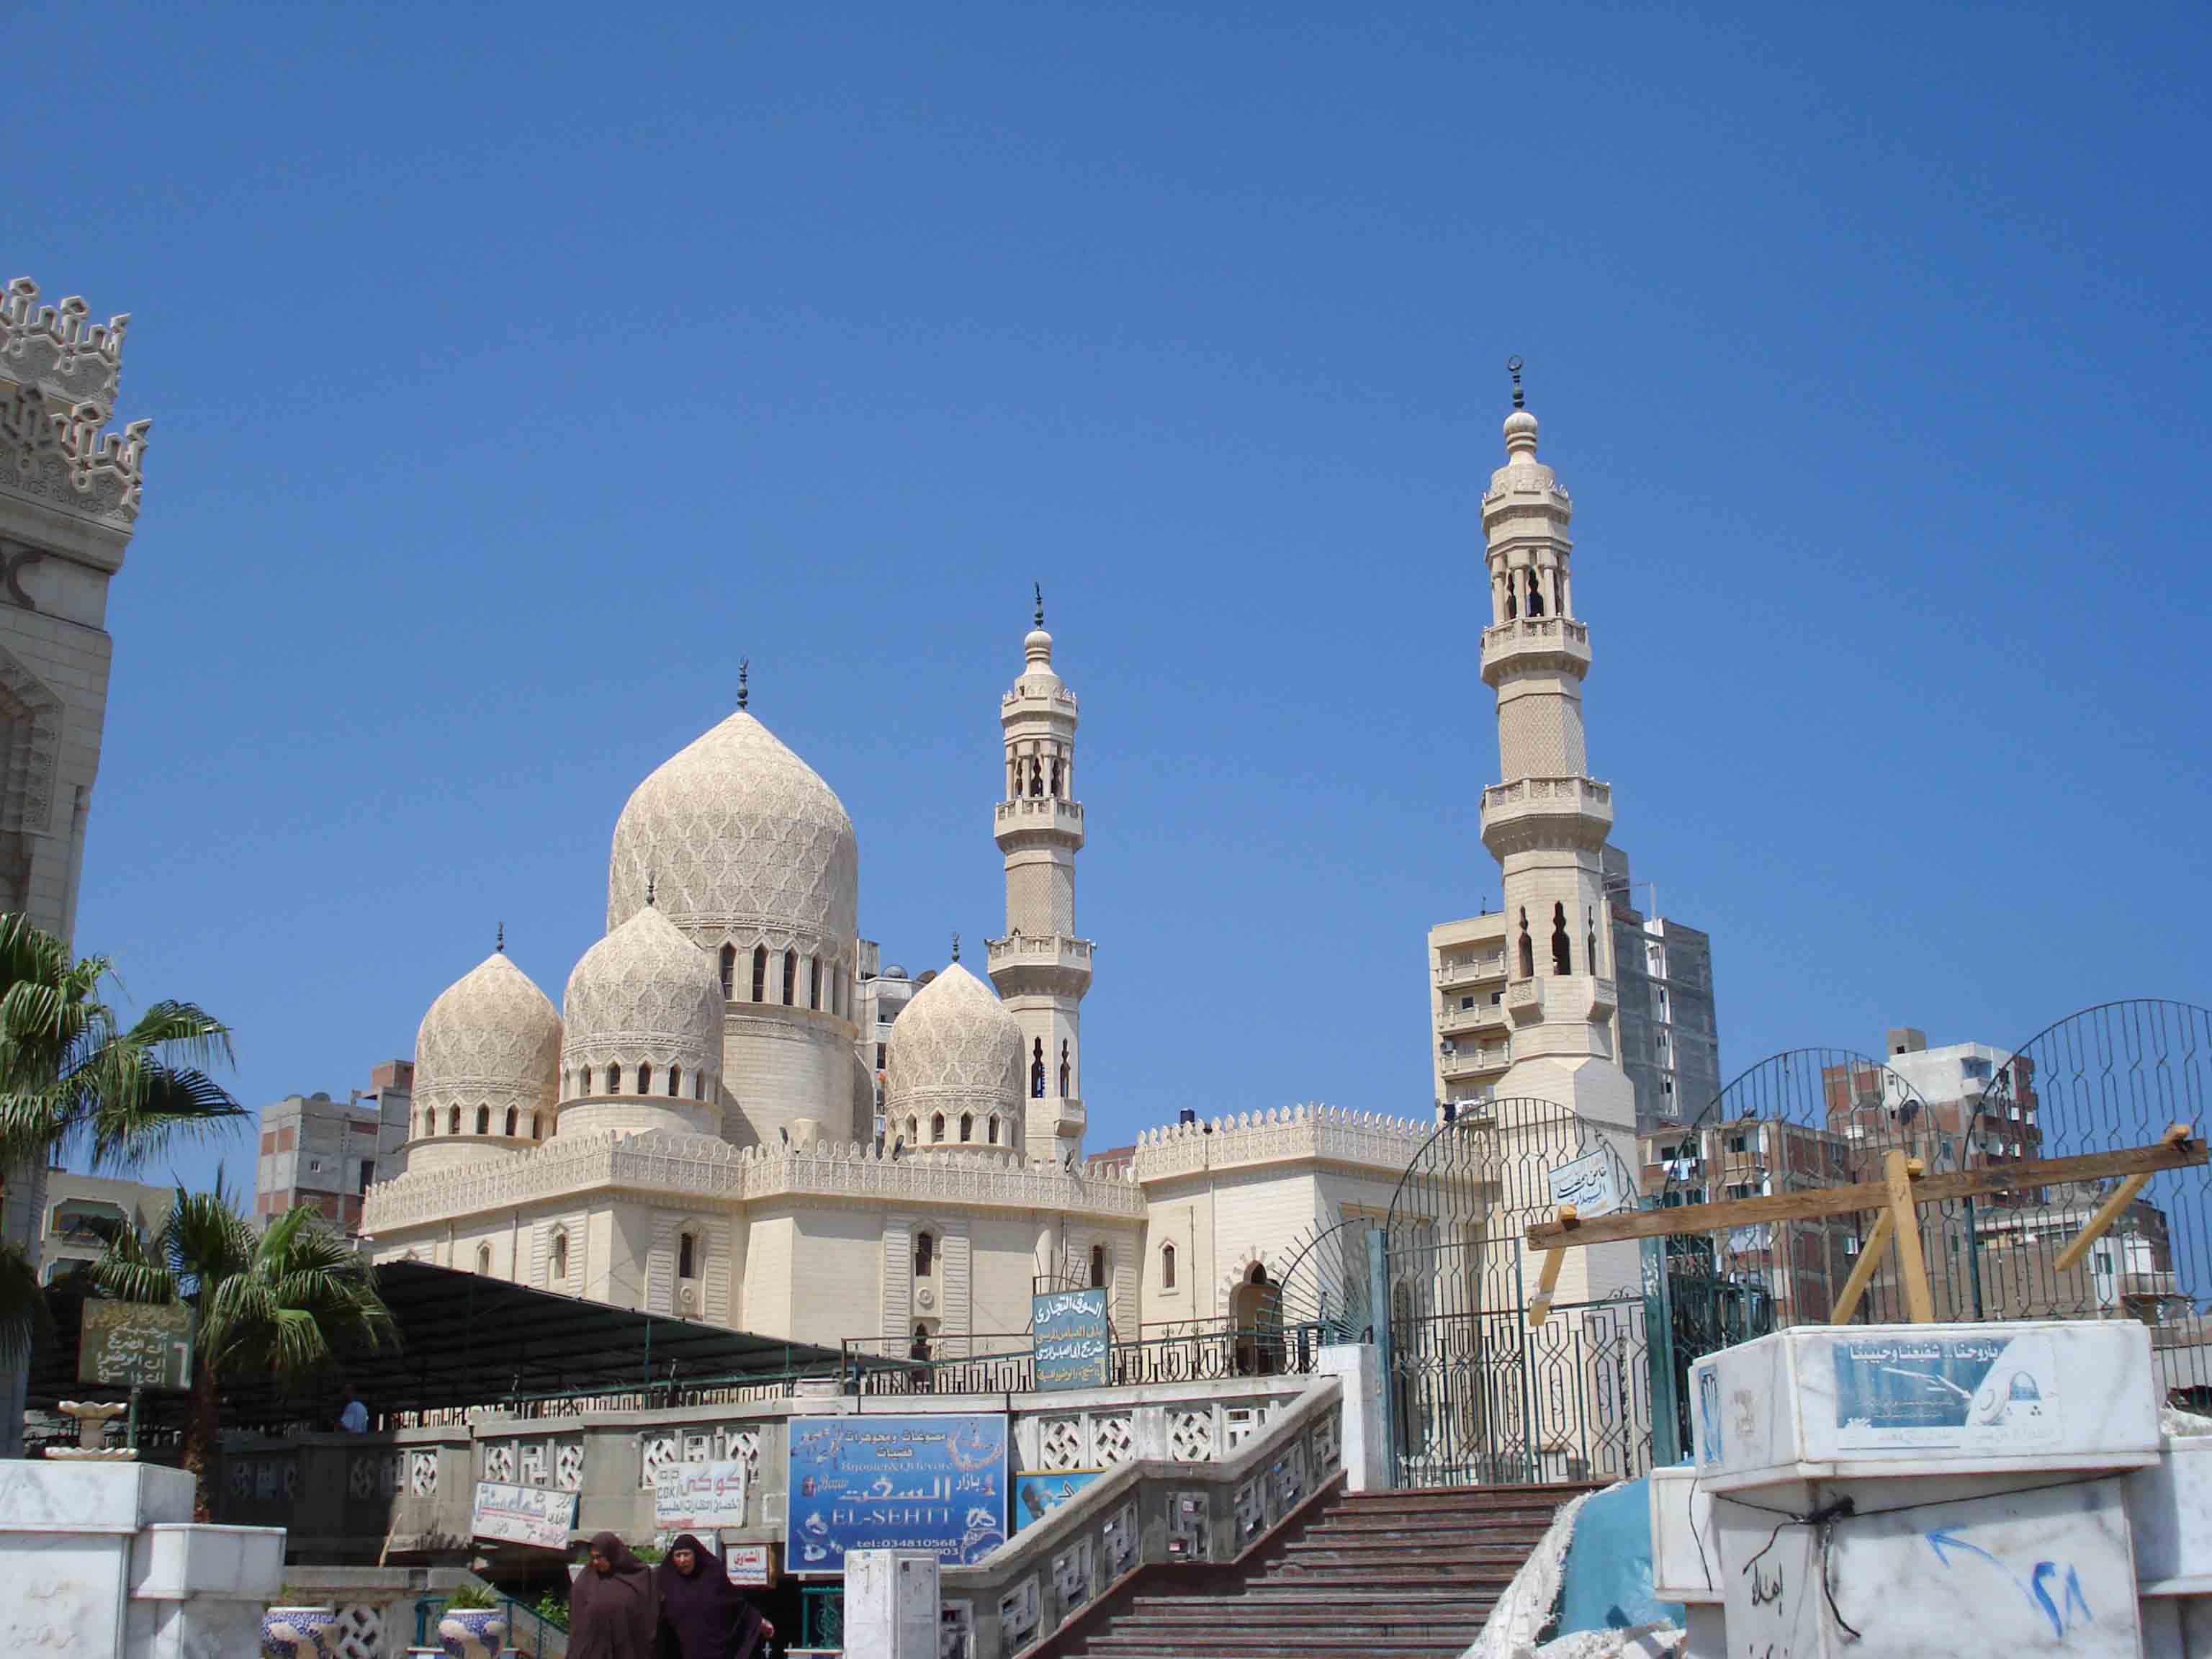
[[616, 1617], [706, 1615]]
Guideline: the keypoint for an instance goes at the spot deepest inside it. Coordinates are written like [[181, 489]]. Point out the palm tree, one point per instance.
[[275, 1302], [74, 1081]]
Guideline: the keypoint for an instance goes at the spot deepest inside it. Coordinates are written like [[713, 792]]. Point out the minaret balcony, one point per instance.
[[1561, 999], [1038, 814], [1483, 1016], [1049, 964], [1556, 644], [1533, 812], [1474, 1061]]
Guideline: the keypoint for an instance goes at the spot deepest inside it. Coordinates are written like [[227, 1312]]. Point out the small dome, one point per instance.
[[743, 843], [954, 1048], [645, 994], [490, 1039]]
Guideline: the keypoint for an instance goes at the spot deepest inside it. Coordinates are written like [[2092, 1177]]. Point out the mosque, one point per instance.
[[694, 1131]]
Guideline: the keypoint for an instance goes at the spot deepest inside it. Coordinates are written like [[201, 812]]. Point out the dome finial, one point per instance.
[[649, 882], [1038, 587], [500, 945], [1513, 368], [743, 662], [955, 947]]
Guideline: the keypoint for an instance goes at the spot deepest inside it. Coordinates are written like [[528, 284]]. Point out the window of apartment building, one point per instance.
[[1977, 1067], [1467, 1002], [1735, 1143], [881, 1052], [1744, 1189], [368, 1174]]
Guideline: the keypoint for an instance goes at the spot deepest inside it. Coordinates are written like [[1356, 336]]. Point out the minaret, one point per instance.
[[1547, 821], [1041, 968]]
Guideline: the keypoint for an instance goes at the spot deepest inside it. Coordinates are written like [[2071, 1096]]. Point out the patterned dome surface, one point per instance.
[[743, 843], [492, 1038], [955, 1046], [645, 993]]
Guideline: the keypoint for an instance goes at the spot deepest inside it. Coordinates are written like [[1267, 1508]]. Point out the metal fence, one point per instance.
[[1203, 1351]]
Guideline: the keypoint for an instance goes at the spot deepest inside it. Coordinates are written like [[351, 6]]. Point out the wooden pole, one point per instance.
[[1897, 1172], [1548, 1282], [2113, 1207], [1870, 1253]]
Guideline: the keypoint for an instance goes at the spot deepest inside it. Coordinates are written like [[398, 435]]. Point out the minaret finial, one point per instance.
[[1039, 587], [744, 695], [501, 945], [955, 947], [649, 884], [1513, 368]]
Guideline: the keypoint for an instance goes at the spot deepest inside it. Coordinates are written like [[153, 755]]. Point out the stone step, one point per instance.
[[1356, 1550], [1260, 1645]]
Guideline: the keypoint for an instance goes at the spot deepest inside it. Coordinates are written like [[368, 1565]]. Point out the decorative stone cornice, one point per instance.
[[60, 348], [55, 451], [1537, 813], [1310, 1133]]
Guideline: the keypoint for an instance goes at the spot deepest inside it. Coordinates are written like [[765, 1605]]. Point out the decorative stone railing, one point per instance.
[[1539, 631], [1325, 1134], [60, 347], [1063, 697], [1468, 1019], [1480, 967], [1571, 790], [1052, 810], [1467, 1062], [1046, 948], [1152, 1516]]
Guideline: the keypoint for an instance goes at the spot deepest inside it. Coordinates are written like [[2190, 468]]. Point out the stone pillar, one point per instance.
[[1358, 1367], [890, 1604]]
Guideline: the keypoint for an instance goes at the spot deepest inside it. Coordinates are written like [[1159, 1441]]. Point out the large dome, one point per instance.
[[744, 844], [490, 1042], [956, 1051], [645, 994]]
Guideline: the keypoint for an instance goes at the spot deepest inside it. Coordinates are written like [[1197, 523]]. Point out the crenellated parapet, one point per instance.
[[58, 375], [1310, 1133], [664, 1162]]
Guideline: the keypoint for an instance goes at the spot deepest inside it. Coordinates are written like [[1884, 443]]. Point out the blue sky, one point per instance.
[[515, 370]]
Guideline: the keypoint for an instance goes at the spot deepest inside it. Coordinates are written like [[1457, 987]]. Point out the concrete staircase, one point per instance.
[[1407, 1574]]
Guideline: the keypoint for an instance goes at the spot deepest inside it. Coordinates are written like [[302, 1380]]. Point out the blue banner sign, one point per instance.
[[907, 1483], [1073, 1342], [1037, 1493]]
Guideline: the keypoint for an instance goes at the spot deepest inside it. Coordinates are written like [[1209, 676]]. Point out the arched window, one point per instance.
[[814, 982], [924, 1255], [430, 1122], [790, 976], [936, 1126], [453, 1122], [729, 970], [967, 1126], [644, 1079], [534, 1126], [1014, 775], [1562, 953], [913, 1132], [1512, 596], [583, 1087], [514, 1121], [1067, 1068], [698, 1085], [760, 972], [676, 1083], [1528, 950], [560, 1258], [686, 1264], [1097, 1265], [614, 1079], [1535, 593], [1589, 918], [1036, 1069], [484, 1120], [991, 1129], [483, 1260], [1167, 1267]]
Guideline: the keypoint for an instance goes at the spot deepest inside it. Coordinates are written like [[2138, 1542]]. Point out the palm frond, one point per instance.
[[127, 1271], [23, 1315], [185, 1033]]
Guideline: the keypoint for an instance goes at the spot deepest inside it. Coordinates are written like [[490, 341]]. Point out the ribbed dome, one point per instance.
[[743, 843], [954, 1048], [645, 993], [490, 1039]]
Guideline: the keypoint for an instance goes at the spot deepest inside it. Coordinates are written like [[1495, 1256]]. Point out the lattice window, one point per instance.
[[534, 1463], [1018, 1616], [741, 1444], [654, 1450], [568, 1465], [364, 1476], [1190, 1437], [1061, 1443], [241, 1478], [1121, 1540], [499, 1460], [1327, 1455], [1070, 1576], [1250, 1509], [422, 1474], [358, 1633], [264, 1482], [1112, 1441], [699, 1446], [1241, 1423], [392, 1475]]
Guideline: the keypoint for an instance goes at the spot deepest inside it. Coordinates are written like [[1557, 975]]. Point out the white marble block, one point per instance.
[[2008, 1574], [2015, 1397], [890, 1604], [2170, 1508], [1686, 1556], [1359, 1365]]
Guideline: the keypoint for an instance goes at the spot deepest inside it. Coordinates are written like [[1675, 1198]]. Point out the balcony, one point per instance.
[[1483, 1016], [1473, 972], [1038, 812], [1555, 642], [1532, 812], [1473, 1062]]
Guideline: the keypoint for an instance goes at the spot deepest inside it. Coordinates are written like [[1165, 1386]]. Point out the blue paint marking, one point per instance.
[[1943, 1542]]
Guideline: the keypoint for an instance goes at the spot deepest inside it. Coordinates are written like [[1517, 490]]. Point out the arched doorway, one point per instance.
[[1256, 1318]]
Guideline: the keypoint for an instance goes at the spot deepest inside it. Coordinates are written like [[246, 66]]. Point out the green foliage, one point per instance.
[[648, 1553], [74, 1079], [553, 1609], [467, 1596]]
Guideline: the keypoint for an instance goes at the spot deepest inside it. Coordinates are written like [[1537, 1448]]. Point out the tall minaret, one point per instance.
[[1546, 822], [1041, 968]]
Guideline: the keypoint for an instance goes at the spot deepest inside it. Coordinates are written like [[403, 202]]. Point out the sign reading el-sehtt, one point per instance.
[[907, 1483], [1072, 1339]]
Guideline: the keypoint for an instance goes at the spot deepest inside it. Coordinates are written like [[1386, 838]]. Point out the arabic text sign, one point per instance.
[[748, 1564], [523, 1515], [1995, 1393], [136, 1344], [912, 1483], [1037, 1493], [698, 1497], [1072, 1341], [1591, 1183]]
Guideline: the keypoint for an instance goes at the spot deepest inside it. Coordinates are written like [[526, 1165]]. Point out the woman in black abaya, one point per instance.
[[702, 1614], [614, 1610]]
